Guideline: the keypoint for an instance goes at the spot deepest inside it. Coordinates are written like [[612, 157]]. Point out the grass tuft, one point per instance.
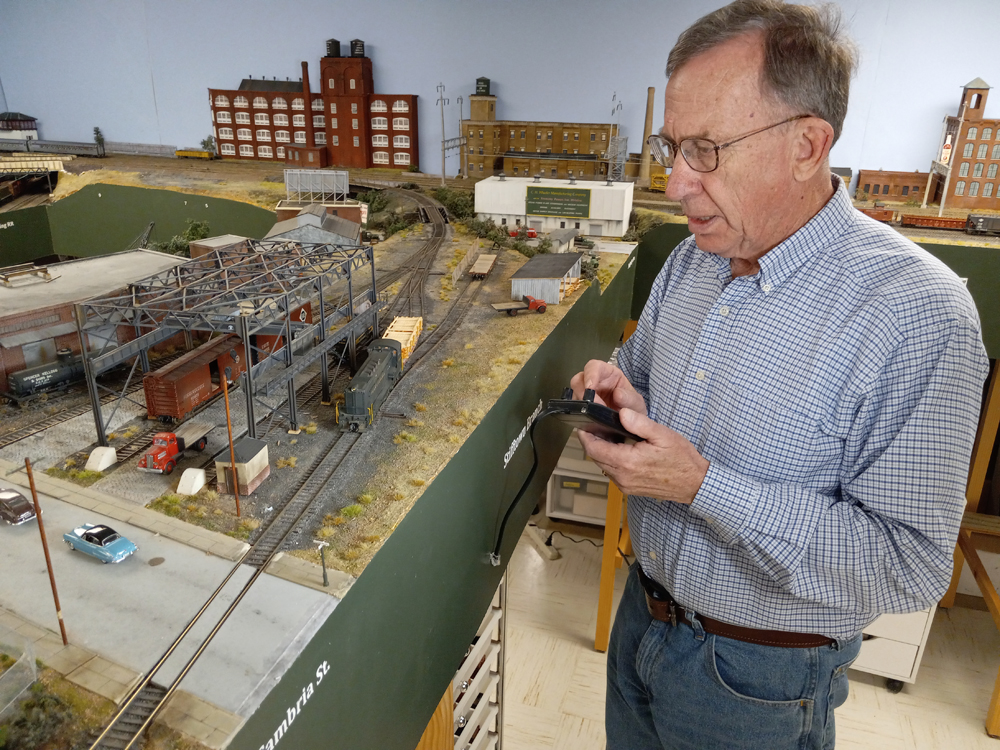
[[353, 511]]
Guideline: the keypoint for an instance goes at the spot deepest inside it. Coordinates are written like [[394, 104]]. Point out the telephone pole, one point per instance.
[[442, 101]]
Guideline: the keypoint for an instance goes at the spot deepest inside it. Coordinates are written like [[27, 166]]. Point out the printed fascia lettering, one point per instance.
[[293, 711], [520, 436]]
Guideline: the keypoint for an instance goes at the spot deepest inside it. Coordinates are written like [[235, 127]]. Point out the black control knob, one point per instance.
[[589, 394], [567, 394]]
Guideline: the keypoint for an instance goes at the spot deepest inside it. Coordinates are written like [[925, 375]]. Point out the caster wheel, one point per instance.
[[893, 686]]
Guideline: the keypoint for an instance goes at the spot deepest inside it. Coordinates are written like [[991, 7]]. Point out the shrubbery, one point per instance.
[[40, 721], [179, 243], [460, 203]]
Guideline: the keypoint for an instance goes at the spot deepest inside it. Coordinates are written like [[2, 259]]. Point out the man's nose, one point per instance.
[[683, 181]]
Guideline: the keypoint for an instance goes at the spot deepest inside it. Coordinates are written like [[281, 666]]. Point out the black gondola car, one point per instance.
[[371, 386], [980, 224], [67, 369]]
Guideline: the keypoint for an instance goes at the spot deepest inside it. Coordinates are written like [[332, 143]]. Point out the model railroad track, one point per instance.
[[34, 428], [288, 517], [126, 728], [410, 299], [447, 326], [147, 697], [9, 438], [138, 444]]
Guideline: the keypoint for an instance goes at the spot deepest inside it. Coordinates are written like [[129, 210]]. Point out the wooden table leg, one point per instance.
[[610, 559]]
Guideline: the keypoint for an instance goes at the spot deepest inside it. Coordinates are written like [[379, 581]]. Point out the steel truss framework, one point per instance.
[[251, 289]]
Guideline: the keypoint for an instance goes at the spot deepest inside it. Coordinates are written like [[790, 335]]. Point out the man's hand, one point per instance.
[[665, 465], [611, 386]]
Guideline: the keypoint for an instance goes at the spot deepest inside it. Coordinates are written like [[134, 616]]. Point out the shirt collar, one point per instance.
[[779, 263], [783, 260]]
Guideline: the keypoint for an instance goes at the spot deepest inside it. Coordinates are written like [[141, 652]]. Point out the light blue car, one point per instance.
[[102, 542]]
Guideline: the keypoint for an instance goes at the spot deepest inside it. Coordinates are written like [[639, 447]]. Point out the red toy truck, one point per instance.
[[168, 447]]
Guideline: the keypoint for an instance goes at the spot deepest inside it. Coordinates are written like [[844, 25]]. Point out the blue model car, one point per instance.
[[102, 542]]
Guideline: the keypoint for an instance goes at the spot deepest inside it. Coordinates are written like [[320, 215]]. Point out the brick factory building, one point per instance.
[[344, 124], [527, 147], [878, 184], [965, 169]]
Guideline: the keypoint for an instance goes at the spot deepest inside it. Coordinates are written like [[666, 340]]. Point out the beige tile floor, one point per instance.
[[554, 691]]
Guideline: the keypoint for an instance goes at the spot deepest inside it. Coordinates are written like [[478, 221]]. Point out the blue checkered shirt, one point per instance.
[[836, 395]]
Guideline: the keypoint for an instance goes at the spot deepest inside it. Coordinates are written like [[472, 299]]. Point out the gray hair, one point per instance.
[[808, 60]]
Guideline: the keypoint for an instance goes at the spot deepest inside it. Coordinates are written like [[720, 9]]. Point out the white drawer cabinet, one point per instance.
[[577, 489], [478, 685], [893, 646]]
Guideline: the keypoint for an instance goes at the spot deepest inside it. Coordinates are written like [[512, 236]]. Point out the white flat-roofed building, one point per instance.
[[592, 208]]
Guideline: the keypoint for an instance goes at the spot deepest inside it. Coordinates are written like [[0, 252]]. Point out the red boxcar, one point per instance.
[[176, 390], [269, 344], [879, 214], [938, 222]]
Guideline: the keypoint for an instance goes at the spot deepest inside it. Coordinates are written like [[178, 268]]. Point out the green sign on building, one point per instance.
[[550, 201]]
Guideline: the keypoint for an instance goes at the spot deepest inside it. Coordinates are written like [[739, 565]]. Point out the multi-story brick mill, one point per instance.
[[344, 124]]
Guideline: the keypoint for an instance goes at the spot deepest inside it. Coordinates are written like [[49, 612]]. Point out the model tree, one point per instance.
[[99, 140], [208, 144]]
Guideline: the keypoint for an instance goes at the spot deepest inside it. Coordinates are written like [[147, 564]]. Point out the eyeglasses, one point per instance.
[[701, 154]]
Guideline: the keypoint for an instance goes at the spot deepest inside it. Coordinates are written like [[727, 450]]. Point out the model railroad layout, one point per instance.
[[291, 521], [287, 523]]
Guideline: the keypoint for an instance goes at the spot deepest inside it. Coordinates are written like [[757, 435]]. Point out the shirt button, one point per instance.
[[766, 288], [652, 555], [723, 311], [700, 375]]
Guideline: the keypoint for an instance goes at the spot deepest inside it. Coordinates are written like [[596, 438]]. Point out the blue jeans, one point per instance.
[[679, 688]]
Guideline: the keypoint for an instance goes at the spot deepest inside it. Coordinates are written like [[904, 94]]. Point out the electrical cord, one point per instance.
[[495, 554], [548, 541]]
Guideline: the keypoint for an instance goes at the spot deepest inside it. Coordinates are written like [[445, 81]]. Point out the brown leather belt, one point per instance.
[[662, 607]]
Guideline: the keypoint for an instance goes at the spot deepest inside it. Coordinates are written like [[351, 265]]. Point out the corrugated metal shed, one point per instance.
[[343, 227], [548, 266], [548, 277], [311, 233]]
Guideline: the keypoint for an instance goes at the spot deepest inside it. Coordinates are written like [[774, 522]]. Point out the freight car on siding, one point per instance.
[[66, 370], [178, 389], [263, 346], [371, 386]]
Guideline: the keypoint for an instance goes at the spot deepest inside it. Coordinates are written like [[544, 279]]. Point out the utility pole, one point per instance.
[[442, 101], [45, 548], [462, 159], [232, 450]]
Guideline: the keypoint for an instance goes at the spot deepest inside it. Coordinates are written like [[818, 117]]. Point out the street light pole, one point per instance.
[[45, 547], [322, 559], [442, 101]]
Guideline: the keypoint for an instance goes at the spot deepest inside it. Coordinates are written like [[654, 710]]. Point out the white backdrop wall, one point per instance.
[[140, 69]]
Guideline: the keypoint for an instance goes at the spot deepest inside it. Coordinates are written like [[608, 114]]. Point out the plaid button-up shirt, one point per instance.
[[836, 395]]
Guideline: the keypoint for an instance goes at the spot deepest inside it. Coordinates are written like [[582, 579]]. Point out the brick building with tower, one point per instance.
[[344, 124], [529, 147], [964, 171]]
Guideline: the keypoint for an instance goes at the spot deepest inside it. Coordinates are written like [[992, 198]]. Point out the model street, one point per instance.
[[130, 612]]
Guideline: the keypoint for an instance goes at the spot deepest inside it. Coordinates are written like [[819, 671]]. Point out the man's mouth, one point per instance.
[[699, 222]]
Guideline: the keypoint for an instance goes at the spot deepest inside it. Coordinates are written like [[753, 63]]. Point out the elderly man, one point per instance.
[[807, 383]]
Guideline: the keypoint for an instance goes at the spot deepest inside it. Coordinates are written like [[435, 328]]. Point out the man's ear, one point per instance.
[[811, 147]]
